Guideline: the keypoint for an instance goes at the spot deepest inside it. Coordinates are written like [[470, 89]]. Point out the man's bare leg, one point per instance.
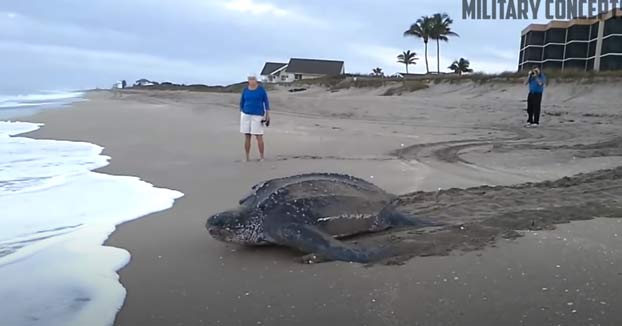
[[260, 146], [247, 146]]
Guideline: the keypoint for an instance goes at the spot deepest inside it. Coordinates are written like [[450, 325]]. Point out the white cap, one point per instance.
[[252, 76]]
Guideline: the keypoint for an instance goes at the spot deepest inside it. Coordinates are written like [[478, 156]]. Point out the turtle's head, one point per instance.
[[242, 226]]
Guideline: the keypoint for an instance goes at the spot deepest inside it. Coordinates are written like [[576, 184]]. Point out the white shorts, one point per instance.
[[251, 124]]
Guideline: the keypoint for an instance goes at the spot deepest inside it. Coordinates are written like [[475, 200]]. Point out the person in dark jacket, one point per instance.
[[536, 81]]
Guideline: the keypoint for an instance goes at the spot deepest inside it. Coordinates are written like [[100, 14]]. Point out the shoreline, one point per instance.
[[189, 142], [50, 220]]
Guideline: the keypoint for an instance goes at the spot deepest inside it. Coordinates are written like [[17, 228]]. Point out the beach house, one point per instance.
[[586, 44], [143, 82], [274, 72], [298, 69]]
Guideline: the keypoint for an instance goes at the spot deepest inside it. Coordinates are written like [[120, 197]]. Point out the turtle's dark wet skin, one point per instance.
[[310, 213]]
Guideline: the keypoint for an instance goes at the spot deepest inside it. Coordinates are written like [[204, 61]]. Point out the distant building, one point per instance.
[[144, 82], [298, 69], [580, 44], [273, 71]]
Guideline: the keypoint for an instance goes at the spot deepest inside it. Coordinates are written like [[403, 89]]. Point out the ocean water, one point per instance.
[[55, 214], [24, 104]]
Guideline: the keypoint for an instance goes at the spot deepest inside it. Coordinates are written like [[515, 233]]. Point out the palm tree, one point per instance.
[[407, 58], [378, 72], [421, 29], [440, 30], [461, 66]]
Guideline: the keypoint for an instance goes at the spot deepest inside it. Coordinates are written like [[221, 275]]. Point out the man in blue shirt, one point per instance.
[[536, 82], [254, 114]]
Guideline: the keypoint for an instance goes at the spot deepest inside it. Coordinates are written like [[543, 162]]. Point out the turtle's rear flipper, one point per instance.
[[310, 239], [390, 218]]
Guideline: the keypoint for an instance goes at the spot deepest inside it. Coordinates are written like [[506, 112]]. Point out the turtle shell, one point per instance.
[[317, 198]]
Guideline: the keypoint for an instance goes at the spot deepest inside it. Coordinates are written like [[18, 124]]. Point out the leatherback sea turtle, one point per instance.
[[309, 213]]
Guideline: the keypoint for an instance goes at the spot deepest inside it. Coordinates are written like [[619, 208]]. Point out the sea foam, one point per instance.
[[37, 99], [55, 214]]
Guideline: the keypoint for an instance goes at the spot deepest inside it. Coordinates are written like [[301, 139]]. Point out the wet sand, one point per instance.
[[450, 136]]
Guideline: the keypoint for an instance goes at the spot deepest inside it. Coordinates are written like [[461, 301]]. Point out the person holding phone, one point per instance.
[[536, 82], [254, 114]]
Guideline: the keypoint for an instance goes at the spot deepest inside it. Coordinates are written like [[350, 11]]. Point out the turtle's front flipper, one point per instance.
[[310, 239]]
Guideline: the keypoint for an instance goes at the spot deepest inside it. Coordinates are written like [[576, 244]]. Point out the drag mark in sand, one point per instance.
[[333, 157], [447, 155], [56, 214], [479, 216]]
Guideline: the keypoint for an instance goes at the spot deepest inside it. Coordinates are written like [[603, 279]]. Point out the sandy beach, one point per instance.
[[509, 257]]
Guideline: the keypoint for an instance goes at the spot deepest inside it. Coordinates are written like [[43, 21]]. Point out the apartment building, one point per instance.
[[584, 44]]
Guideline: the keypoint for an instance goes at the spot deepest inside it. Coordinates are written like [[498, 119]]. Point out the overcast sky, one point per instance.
[[60, 44]]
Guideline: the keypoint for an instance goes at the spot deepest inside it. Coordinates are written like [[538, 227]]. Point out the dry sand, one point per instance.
[[418, 145]]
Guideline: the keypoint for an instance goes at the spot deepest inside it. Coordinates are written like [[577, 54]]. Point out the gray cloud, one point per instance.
[[86, 43]]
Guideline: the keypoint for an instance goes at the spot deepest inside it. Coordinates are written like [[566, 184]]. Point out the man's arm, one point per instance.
[[266, 104], [242, 101]]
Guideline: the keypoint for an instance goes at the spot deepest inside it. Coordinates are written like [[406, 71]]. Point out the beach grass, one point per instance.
[[399, 85]]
